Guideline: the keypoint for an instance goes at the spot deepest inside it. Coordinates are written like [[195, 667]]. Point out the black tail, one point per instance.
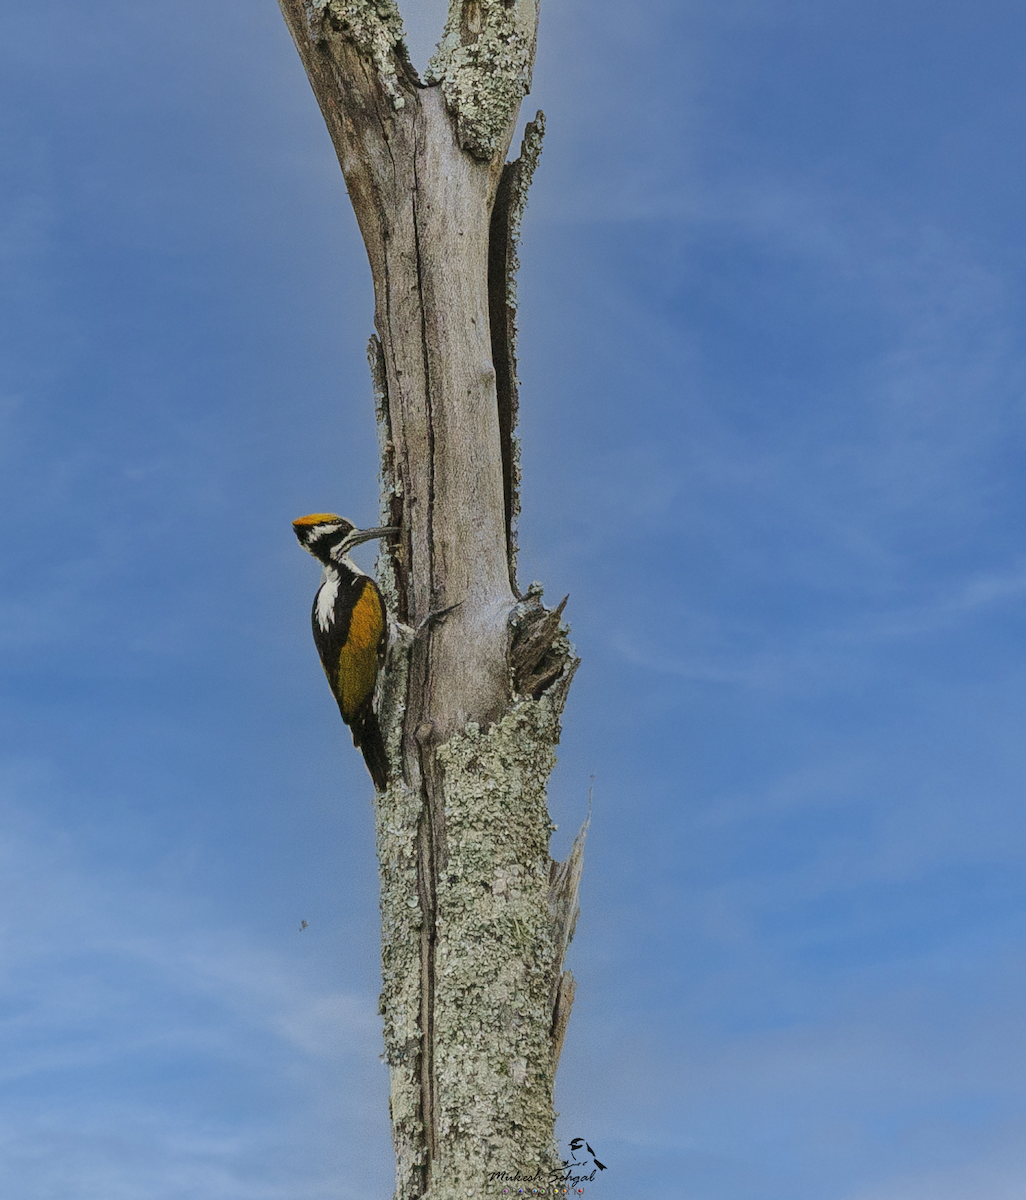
[[368, 740]]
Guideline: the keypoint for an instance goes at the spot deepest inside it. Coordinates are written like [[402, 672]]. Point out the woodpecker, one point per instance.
[[349, 628]]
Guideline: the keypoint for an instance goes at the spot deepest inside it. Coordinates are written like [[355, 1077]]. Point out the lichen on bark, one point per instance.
[[391, 558], [502, 925], [493, 1058], [397, 817], [376, 29], [483, 64]]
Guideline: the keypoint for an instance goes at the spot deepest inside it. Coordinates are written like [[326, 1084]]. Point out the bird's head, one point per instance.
[[328, 536]]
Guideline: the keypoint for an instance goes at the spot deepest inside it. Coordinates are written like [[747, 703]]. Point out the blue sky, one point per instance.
[[774, 424]]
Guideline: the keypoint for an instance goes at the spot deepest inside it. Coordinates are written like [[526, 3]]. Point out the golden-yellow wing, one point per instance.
[[358, 656]]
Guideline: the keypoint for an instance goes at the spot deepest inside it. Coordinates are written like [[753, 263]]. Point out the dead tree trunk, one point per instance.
[[476, 917]]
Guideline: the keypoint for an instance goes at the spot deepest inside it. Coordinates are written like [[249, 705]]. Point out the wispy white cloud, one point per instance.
[[133, 1027], [828, 1087], [723, 650]]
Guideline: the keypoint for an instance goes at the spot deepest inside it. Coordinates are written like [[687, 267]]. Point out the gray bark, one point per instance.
[[476, 917]]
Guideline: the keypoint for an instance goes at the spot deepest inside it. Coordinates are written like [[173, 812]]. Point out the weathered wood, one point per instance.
[[504, 238], [476, 918]]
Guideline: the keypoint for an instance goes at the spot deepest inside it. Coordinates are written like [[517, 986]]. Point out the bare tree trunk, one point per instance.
[[476, 917]]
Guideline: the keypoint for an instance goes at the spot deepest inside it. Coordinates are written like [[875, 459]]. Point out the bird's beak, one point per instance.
[[365, 535]]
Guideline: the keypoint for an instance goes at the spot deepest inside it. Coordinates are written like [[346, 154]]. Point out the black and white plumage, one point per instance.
[[350, 629]]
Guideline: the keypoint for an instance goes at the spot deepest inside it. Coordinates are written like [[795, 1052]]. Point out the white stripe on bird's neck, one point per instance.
[[327, 593]]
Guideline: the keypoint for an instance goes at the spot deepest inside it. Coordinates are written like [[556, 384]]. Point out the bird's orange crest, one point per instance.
[[317, 519]]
